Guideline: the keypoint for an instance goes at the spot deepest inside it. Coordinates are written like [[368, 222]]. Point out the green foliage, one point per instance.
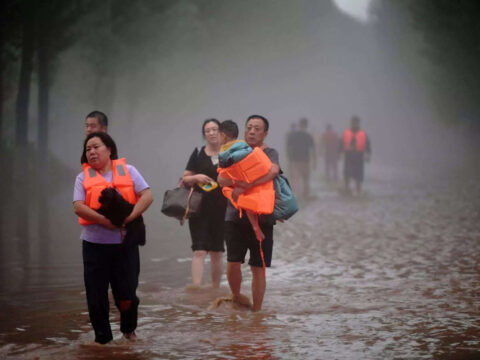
[[450, 40], [452, 32]]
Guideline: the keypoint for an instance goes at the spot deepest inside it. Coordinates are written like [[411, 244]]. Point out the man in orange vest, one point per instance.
[[356, 147]]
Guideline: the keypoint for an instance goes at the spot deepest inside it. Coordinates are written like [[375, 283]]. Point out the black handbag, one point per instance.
[[181, 203]]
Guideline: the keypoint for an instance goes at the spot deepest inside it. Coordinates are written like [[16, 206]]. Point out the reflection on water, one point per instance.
[[394, 274]]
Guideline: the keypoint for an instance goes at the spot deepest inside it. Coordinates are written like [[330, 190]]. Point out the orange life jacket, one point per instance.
[[94, 183], [250, 168], [360, 139], [260, 199]]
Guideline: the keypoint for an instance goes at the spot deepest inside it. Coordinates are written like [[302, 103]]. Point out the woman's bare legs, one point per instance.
[[216, 267], [198, 262]]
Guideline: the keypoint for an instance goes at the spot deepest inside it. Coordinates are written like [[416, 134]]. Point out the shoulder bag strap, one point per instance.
[[188, 207]]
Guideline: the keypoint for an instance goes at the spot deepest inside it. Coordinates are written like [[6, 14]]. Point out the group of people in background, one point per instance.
[[302, 148], [110, 261]]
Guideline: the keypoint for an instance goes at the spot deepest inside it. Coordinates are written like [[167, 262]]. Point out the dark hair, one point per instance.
[[206, 122], [100, 116], [229, 128], [106, 139], [265, 121]]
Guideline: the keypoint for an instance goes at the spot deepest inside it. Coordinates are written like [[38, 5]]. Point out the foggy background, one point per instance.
[[392, 274], [159, 68], [194, 60]]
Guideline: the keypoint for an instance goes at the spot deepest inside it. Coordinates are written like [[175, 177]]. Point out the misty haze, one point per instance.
[[390, 272]]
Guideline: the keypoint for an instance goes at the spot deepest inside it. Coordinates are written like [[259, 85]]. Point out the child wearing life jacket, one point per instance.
[[231, 152]]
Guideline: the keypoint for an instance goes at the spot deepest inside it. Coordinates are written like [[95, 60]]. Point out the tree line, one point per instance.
[[446, 35], [35, 34]]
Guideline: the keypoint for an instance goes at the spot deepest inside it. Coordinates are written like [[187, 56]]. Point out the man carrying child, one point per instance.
[[241, 233]]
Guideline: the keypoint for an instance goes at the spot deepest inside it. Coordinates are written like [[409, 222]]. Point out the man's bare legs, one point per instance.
[[306, 182], [358, 187], [234, 277], [347, 186], [259, 285]]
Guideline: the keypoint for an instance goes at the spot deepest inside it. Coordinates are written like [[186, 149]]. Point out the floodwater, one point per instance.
[[394, 274]]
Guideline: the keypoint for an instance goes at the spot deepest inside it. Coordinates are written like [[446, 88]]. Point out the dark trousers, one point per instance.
[[119, 266]]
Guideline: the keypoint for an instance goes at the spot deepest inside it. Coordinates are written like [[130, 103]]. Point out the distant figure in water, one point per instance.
[[96, 121], [206, 230], [107, 259], [302, 156], [239, 234], [355, 145], [328, 148], [289, 146]]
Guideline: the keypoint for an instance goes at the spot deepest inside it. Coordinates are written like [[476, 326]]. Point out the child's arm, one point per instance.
[[222, 181]]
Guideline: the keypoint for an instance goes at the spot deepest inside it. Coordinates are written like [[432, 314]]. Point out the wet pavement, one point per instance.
[[392, 274]]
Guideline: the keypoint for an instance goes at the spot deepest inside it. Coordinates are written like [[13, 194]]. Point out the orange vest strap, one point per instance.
[[257, 234]]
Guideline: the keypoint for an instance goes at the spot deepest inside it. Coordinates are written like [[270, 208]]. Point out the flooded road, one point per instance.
[[394, 274]]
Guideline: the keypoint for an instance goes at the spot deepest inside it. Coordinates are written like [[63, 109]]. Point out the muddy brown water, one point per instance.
[[394, 274]]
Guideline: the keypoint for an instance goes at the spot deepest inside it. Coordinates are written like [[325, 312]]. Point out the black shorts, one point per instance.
[[207, 233], [240, 237]]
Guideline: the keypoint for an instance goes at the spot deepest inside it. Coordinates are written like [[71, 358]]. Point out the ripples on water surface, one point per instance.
[[392, 275]]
